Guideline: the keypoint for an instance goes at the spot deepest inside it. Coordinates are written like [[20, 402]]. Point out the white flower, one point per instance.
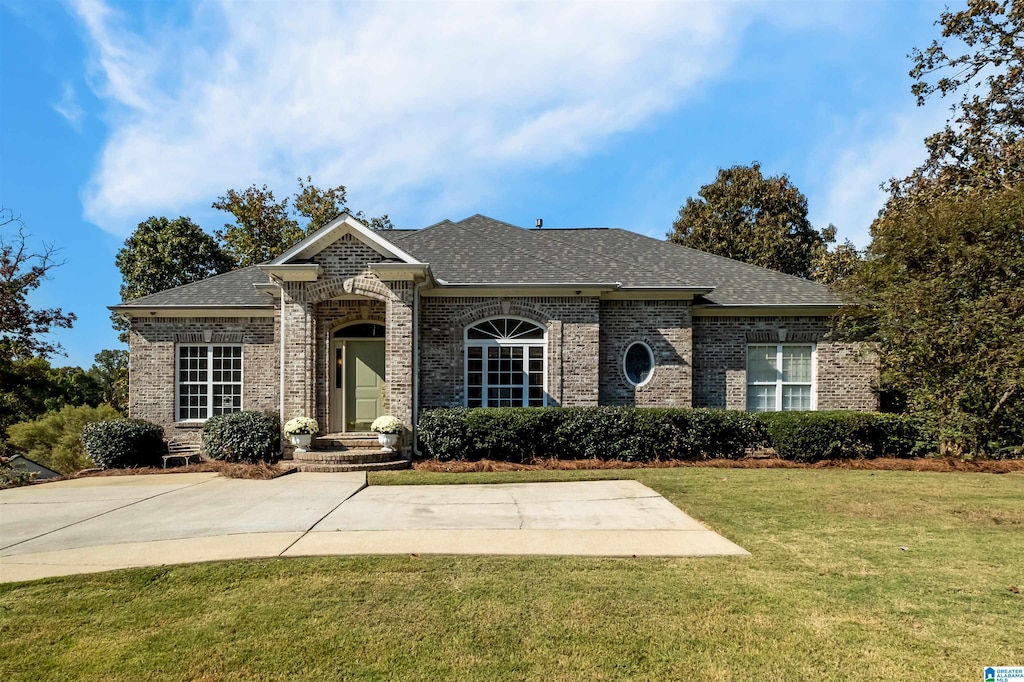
[[386, 424], [301, 425]]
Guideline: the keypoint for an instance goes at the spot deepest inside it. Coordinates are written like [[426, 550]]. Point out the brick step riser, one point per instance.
[[345, 443], [343, 456], [311, 467]]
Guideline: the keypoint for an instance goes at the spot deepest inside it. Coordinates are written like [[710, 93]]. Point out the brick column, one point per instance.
[[399, 351], [297, 334]]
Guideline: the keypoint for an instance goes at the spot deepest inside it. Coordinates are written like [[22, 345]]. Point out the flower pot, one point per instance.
[[387, 441], [301, 440]]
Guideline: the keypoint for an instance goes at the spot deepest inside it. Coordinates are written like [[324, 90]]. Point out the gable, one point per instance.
[[341, 226], [347, 256]]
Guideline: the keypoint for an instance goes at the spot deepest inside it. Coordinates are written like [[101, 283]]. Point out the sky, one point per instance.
[[585, 114]]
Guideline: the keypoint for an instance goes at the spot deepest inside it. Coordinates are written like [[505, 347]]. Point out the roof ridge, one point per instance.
[[519, 250], [205, 279]]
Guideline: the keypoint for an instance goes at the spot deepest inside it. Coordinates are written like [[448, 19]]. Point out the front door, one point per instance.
[[364, 383]]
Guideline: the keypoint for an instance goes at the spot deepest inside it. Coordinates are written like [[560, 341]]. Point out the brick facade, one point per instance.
[[665, 326], [152, 381], [573, 344], [845, 372]]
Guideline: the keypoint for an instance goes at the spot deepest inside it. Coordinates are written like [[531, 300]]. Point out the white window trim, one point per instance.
[[650, 354], [779, 383], [209, 379], [467, 343]]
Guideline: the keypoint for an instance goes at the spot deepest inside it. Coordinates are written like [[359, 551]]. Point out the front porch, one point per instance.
[[338, 452]]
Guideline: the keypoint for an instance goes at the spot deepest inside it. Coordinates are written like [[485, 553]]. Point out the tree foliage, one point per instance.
[[942, 292], [755, 219], [55, 439], [265, 227], [164, 253], [24, 329], [110, 372], [980, 57]]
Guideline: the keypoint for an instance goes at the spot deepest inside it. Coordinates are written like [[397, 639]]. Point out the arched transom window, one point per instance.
[[506, 361]]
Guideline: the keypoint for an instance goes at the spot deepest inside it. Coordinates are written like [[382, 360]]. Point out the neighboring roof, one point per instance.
[[483, 250], [230, 290], [42, 472]]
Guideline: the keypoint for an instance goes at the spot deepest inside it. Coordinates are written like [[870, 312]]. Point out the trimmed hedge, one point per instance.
[[242, 437], [519, 434], [814, 436], [123, 443]]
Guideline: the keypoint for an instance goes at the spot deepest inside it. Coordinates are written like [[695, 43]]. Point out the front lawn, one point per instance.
[[854, 575]]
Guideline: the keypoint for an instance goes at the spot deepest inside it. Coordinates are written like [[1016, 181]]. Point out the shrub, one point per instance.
[[814, 436], [123, 443], [242, 436], [442, 433], [13, 477], [518, 434], [55, 439]]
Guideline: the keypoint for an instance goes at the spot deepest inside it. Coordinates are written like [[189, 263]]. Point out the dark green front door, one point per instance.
[[364, 379]]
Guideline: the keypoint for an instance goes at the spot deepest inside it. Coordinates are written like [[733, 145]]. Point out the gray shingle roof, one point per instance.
[[228, 290], [480, 250]]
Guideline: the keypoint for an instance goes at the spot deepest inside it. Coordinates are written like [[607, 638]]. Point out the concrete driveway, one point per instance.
[[98, 524]]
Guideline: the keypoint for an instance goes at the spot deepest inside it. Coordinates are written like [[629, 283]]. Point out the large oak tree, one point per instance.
[[755, 219]]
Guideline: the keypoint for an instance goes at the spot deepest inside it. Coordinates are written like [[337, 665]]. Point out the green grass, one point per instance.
[[828, 594]]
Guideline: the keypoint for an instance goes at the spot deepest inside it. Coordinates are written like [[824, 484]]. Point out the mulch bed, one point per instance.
[[1003, 466], [258, 471]]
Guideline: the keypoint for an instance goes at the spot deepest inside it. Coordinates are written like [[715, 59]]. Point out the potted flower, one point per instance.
[[387, 428], [300, 431]]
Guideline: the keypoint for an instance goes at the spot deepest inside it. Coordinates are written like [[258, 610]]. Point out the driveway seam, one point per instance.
[[331, 511], [96, 516]]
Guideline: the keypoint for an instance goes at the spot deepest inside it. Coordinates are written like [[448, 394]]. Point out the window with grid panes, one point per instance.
[[209, 381], [780, 377], [505, 362]]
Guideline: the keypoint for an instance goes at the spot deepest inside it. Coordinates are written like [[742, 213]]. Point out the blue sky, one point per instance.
[[585, 114]]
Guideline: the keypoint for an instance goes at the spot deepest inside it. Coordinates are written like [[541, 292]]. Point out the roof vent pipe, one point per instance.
[[540, 223]]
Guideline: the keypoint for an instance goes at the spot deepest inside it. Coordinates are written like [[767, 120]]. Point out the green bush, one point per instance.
[[814, 436], [123, 443], [243, 437], [519, 434], [442, 433], [55, 439], [649, 434]]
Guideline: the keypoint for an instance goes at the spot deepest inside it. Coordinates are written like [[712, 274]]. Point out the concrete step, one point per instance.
[[358, 456], [334, 468]]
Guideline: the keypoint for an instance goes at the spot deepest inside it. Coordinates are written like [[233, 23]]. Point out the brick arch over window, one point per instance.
[[502, 308], [361, 286]]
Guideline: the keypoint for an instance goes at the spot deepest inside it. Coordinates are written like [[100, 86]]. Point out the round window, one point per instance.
[[638, 363]]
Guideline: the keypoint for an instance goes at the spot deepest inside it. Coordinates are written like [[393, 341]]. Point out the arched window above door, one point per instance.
[[361, 330]]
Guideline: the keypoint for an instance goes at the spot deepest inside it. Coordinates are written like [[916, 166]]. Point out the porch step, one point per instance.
[[335, 468], [345, 441], [344, 456]]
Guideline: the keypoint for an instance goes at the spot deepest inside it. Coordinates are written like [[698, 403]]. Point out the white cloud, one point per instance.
[[392, 98], [881, 144], [69, 108]]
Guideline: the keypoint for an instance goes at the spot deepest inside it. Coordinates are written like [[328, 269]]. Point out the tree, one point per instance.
[[748, 217], [24, 344], [264, 227], [942, 293], [55, 439], [23, 329], [832, 267], [164, 253], [981, 55], [110, 372]]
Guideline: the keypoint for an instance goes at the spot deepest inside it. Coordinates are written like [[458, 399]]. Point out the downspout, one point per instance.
[[416, 365]]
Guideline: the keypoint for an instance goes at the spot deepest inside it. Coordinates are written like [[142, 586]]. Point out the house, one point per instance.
[[353, 323]]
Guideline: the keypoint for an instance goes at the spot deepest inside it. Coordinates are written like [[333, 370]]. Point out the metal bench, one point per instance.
[[184, 450]]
